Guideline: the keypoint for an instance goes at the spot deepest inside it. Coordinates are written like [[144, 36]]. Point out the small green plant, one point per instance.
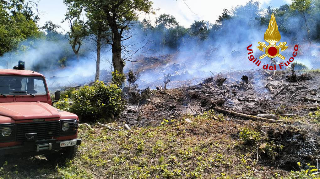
[[271, 149], [132, 77], [249, 136], [63, 61], [63, 104], [167, 121], [141, 146], [315, 115], [309, 172], [118, 78], [158, 147], [211, 115]]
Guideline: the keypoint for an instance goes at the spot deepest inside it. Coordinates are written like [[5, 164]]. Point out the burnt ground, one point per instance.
[[234, 125], [253, 93], [291, 98]]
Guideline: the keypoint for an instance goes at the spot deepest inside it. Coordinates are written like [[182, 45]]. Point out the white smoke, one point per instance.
[[224, 50]]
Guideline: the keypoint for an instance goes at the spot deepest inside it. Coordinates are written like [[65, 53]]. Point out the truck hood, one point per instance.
[[28, 110]]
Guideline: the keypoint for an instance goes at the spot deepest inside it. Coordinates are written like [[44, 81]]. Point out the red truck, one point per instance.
[[29, 124]]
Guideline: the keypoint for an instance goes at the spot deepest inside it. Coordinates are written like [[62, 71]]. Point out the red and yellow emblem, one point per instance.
[[272, 36]]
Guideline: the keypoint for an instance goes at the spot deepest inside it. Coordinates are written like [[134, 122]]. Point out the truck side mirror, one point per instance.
[[57, 96]]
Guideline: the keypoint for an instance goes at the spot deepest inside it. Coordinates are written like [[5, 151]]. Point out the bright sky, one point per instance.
[[185, 11]]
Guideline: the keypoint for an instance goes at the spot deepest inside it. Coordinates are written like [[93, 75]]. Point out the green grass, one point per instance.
[[205, 148]]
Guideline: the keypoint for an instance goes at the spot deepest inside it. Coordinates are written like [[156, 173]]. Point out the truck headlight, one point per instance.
[[65, 126], [69, 126], [6, 131]]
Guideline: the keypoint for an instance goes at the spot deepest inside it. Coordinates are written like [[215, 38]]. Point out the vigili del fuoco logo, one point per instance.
[[272, 50]]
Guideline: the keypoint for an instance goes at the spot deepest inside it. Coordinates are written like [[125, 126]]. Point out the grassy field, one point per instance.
[[202, 146]]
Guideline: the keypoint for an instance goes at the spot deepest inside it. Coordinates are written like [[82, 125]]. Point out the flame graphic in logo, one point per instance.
[[272, 36]]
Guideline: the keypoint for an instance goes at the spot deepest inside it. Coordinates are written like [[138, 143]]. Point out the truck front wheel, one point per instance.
[[63, 155]]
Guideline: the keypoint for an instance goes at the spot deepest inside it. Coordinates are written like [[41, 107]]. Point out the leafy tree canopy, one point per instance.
[[167, 21], [17, 23], [112, 16]]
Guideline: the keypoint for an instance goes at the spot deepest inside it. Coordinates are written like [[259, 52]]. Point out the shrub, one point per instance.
[[249, 136], [118, 78], [310, 172], [132, 77], [271, 150], [315, 116], [63, 104], [300, 66], [94, 102], [67, 93]]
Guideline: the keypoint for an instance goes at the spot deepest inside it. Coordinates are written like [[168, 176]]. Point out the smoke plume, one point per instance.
[[192, 60]]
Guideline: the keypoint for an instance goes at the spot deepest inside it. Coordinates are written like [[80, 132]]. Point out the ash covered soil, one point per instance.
[[281, 105], [238, 125], [257, 93]]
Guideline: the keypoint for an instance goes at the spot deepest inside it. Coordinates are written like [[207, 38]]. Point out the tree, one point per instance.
[[200, 29], [146, 24], [96, 23], [49, 26], [302, 6], [174, 37], [264, 20], [120, 13], [78, 31], [226, 15], [17, 23], [166, 21], [171, 32], [52, 31], [116, 15]]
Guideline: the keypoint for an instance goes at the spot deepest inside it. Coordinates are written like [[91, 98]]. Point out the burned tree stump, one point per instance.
[[220, 81], [293, 77], [245, 79], [166, 80]]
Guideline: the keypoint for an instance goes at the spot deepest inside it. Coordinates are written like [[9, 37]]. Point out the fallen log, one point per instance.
[[247, 100], [288, 115], [107, 126], [271, 88], [316, 100], [127, 127], [296, 93], [251, 117], [279, 91], [87, 125], [268, 116]]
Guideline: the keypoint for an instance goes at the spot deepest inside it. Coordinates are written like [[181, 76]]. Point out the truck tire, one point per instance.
[[70, 152], [63, 155]]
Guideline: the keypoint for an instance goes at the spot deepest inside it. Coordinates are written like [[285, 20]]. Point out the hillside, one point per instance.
[[222, 128]]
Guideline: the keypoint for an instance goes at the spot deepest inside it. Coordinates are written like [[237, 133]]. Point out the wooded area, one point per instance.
[[109, 23]]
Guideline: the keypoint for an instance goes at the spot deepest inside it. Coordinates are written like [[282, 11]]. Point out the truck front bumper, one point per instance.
[[39, 147]]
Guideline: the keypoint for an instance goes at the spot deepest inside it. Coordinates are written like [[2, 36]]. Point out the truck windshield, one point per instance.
[[22, 85]]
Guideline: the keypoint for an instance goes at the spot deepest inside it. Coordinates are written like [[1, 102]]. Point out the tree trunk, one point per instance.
[[98, 56], [117, 61], [308, 30], [76, 51]]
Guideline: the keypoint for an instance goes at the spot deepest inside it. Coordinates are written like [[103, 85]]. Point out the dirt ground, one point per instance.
[[287, 98]]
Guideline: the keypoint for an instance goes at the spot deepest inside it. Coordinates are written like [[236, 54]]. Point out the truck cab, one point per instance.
[[29, 124]]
